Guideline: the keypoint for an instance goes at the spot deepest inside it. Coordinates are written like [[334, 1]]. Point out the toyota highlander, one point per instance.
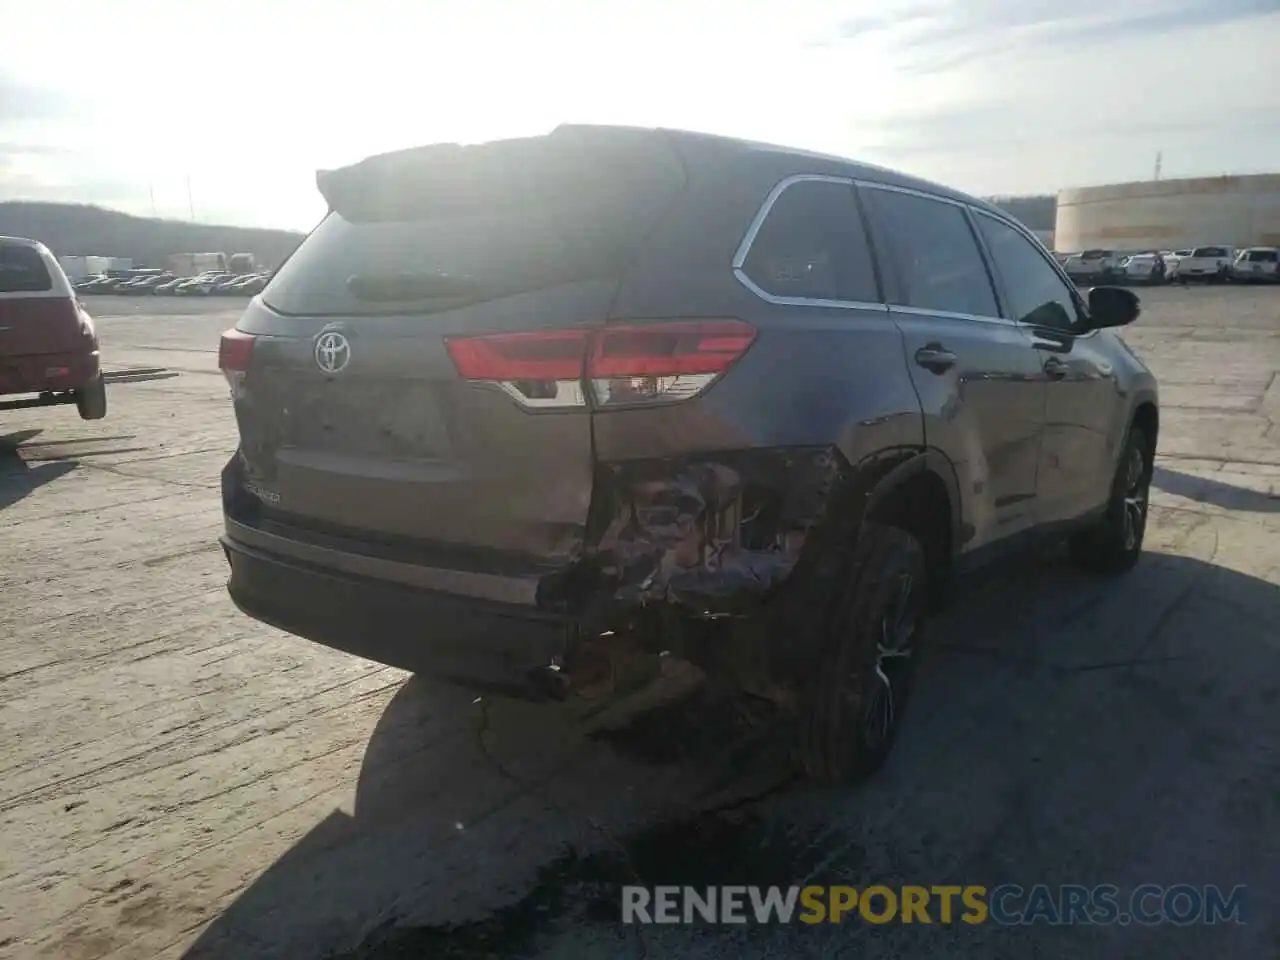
[[523, 414]]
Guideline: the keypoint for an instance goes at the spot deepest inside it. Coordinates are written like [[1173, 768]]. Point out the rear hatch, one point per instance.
[[412, 377], [38, 312]]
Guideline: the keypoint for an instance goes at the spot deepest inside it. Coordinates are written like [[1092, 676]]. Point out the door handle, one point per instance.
[[1055, 368], [935, 358]]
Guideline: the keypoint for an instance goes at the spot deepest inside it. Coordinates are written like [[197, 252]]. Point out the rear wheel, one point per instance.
[[1114, 544], [92, 400], [858, 690]]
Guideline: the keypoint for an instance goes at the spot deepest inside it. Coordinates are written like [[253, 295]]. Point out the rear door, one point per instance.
[[976, 373], [416, 367], [38, 313]]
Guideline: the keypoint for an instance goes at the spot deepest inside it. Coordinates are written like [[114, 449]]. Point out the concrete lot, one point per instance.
[[178, 780]]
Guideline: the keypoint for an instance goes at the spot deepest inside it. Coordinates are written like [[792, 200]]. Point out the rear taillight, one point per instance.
[[555, 355], [235, 350], [638, 363]]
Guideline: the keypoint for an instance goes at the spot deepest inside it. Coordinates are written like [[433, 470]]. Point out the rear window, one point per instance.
[[1095, 254], [23, 270], [1209, 252], [440, 227], [1263, 256]]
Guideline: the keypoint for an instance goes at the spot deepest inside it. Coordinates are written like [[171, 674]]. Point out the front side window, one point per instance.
[[812, 246], [1037, 294], [939, 264]]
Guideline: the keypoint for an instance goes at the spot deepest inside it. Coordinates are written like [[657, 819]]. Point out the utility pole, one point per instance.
[[191, 204], [1159, 158], [151, 189]]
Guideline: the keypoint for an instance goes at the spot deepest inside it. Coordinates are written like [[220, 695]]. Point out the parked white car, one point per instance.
[[1257, 265], [1144, 268], [1207, 264], [1171, 260], [1102, 265]]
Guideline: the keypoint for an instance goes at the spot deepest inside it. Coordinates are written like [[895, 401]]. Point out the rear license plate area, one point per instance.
[[386, 419]]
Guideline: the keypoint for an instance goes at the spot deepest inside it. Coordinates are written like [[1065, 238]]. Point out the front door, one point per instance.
[[1078, 443]]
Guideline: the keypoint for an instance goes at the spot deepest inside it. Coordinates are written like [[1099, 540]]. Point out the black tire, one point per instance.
[[92, 400], [857, 691], [1114, 544]]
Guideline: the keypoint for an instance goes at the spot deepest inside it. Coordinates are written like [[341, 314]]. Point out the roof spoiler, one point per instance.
[[572, 160]]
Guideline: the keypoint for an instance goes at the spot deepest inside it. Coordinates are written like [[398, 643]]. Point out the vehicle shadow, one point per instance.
[[1208, 490], [1066, 729], [18, 478], [140, 375]]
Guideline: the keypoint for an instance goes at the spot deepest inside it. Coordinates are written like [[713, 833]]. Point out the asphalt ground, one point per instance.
[[177, 780]]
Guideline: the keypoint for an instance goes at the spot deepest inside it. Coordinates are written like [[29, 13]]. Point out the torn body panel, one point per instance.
[[711, 536], [688, 556]]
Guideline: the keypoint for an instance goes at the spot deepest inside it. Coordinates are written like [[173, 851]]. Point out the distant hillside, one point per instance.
[[80, 230], [76, 229], [1036, 213]]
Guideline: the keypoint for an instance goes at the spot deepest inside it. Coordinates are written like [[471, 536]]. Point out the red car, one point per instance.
[[48, 344]]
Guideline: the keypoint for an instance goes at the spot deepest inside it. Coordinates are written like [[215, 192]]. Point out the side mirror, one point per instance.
[[1113, 307]]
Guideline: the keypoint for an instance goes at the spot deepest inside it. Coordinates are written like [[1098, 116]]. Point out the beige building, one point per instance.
[[1171, 214]]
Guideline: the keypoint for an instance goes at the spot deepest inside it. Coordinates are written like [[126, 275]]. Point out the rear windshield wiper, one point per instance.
[[389, 287]]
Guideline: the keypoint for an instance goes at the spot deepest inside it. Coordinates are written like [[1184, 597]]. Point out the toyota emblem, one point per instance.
[[333, 352]]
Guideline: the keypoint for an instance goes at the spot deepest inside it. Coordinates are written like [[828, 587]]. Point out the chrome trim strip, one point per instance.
[[521, 591], [747, 282], [891, 188], [949, 315]]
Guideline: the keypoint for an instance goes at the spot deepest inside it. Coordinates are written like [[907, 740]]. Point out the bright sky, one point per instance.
[[247, 98]]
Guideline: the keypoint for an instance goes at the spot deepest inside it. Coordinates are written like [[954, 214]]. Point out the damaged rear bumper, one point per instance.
[[696, 538]]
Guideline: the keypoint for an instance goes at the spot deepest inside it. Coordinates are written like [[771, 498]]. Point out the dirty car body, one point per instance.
[[507, 399]]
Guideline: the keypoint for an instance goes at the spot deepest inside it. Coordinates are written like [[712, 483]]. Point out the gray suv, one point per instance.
[[535, 414]]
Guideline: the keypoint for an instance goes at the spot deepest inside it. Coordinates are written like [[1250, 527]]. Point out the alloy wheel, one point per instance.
[[886, 684], [1136, 494]]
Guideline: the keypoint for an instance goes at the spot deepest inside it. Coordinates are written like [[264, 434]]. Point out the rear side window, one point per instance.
[[23, 270], [939, 264], [812, 246], [1036, 294]]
